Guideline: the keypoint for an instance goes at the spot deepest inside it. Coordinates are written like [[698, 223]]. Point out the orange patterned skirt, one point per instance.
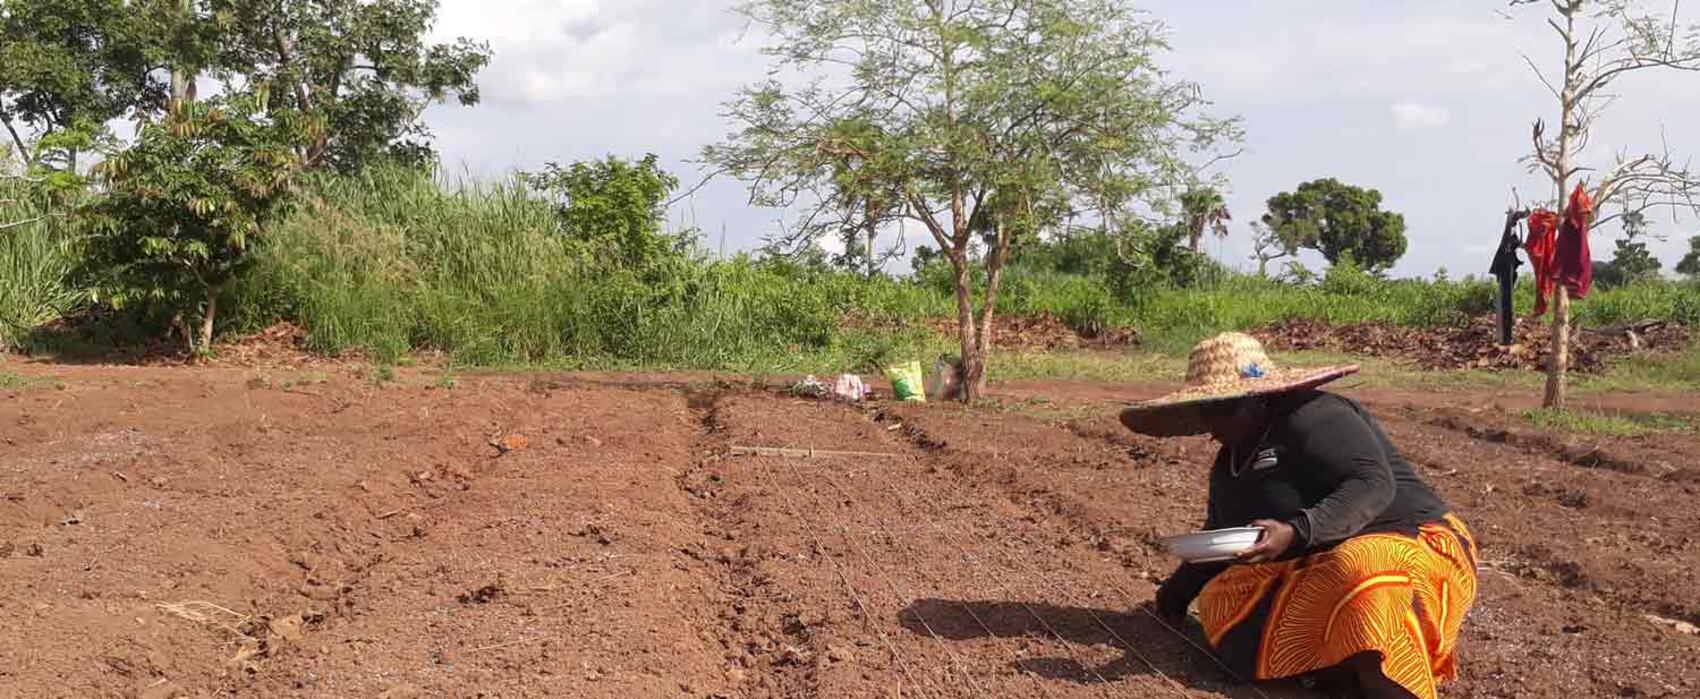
[[1401, 596]]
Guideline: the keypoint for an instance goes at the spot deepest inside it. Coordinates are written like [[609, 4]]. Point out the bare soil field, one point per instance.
[[220, 532]]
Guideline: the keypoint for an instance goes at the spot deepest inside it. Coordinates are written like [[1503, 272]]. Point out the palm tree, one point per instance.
[[1204, 209]]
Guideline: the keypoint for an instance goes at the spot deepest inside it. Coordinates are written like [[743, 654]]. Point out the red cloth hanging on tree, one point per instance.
[[1541, 246], [1575, 264], [1559, 253]]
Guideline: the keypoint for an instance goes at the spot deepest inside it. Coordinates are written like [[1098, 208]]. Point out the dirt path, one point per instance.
[[230, 533]]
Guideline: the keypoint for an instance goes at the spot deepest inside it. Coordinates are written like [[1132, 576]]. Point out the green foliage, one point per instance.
[[1689, 265], [1338, 219], [184, 209], [363, 66], [37, 255], [1631, 262], [65, 63], [992, 121], [1203, 208], [1626, 425], [613, 207], [390, 262]]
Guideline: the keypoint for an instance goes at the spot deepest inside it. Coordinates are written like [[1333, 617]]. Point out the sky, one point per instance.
[[1428, 101]]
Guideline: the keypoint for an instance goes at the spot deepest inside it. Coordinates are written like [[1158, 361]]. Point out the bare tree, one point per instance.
[[1267, 246], [1605, 40]]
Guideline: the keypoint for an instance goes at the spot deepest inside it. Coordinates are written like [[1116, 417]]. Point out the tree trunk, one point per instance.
[[181, 81], [973, 356], [873, 230], [182, 328], [974, 381], [179, 87], [1558, 363], [23, 151], [207, 316]]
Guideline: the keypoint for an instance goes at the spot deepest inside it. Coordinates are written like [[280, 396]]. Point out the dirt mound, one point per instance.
[[1042, 331], [283, 344], [1045, 331], [1474, 345]]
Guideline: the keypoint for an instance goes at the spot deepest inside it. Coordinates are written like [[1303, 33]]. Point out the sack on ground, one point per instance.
[[906, 382]]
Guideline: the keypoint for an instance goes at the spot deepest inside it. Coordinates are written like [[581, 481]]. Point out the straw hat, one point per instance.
[[1220, 370]]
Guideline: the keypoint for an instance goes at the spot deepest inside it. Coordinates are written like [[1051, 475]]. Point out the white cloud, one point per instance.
[[555, 52], [1411, 116]]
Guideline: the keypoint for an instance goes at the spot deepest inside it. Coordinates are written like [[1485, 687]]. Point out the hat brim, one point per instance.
[[1190, 411]]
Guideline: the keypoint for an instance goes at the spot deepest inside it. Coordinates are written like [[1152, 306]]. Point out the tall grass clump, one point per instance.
[[392, 261], [1172, 318], [38, 251]]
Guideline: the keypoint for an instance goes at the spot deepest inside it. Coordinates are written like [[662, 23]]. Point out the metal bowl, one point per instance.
[[1213, 546]]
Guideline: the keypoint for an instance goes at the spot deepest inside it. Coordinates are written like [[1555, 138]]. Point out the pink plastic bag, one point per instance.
[[850, 387]]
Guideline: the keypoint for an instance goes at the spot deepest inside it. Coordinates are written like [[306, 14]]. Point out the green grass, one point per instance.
[[392, 262], [36, 260], [18, 382], [1625, 425]]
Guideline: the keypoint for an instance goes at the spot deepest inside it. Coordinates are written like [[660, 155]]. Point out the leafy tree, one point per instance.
[[1084, 250], [72, 66], [1631, 261], [1204, 209], [613, 206], [1689, 265], [185, 208], [995, 120], [364, 66], [1339, 219]]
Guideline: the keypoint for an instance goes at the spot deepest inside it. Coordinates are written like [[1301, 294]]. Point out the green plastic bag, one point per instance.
[[906, 382]]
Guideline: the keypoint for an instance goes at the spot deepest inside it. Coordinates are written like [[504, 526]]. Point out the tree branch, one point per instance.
[[23, 151], [1542, 76], [25, 222]]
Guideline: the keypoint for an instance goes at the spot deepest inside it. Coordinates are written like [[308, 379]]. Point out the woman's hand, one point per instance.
[[1277, 538]]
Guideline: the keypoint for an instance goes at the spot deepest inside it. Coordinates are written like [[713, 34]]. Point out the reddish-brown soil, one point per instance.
[[244, 532]]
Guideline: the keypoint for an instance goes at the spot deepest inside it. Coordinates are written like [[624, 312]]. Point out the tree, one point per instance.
[[364, 66], [1631, 262], [185, 208], [995, 120], [1205, 209], [613, 206], [72, 65], [1267, 245], [1605, 40], [1689, 265], [1338, 219]]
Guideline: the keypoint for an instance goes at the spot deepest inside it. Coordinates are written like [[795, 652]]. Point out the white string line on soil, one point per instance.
[[1201, 649], [1096, 617], [974, 562], [1189, 641], [904, 600], [910, 557], [855, 595]]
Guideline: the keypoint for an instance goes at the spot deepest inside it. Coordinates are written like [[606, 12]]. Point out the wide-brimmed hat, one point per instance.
[[1220, 370]]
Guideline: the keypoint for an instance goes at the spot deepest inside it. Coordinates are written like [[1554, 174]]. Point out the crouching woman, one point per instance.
[[1362, 577]]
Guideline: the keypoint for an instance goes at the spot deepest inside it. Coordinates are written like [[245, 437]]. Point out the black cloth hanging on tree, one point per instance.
[[1505, 264]]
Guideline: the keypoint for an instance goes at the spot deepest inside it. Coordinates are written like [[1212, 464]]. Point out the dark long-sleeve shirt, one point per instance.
[[1323, 466]]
